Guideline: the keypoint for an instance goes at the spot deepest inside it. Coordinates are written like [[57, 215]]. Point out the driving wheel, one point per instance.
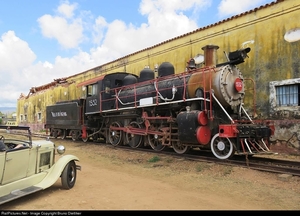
[[134, 140], [180, 148], [221, 147], [115, 136], [155, 141]]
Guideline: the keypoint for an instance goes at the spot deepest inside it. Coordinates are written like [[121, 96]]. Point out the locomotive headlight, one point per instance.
[[238, 56], [238, 84]]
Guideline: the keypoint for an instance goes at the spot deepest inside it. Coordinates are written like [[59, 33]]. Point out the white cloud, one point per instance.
[[14, 52], [99, 30], [165, 21], [68, 34], [148, 6], [232, 7], [47, 65], [15, 55], [67, 10]]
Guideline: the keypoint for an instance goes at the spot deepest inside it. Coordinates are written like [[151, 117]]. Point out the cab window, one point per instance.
[[92, 89]]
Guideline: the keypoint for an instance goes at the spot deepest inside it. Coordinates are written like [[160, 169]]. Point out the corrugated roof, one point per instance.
[[90, 81]]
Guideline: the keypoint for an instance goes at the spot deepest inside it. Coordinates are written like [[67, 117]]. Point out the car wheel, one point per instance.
[[68, 176]]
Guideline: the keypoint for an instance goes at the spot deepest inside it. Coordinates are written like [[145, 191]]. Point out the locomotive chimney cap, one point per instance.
[[210, 46]]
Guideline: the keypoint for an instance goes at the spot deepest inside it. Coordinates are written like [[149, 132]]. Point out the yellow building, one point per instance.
[[272, 31]]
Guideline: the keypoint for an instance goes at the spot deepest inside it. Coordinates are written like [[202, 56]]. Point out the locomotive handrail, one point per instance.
[[210, 69], [149, 105], [254, 94], [210, 105], [215, 98], [246, 114], [184, 88]]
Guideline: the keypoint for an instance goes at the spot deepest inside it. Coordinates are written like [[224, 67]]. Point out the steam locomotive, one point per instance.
[[199, 108]]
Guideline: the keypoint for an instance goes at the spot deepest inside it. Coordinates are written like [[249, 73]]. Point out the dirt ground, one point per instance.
[[115, 179]]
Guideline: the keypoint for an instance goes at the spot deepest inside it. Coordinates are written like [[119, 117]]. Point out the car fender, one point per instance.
[[55, 171]]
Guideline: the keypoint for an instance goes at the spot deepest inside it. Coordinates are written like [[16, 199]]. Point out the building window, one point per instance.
[[287, 95], [25, 117], [21, 118], [39, 116]]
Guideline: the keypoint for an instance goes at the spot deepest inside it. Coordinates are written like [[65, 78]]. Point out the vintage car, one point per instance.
[[28, 164]]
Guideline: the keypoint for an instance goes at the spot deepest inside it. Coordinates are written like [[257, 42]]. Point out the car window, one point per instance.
[[2, 146]]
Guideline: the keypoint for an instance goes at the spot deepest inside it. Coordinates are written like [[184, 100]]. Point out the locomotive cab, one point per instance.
[[101, 91]]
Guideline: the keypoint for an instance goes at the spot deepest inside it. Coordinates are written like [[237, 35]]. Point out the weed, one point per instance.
[[154, 159], [200, 167]]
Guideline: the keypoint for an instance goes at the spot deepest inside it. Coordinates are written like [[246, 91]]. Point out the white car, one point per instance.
[[28, 166]]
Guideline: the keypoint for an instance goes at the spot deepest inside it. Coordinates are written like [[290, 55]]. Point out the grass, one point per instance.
[[154, 159]]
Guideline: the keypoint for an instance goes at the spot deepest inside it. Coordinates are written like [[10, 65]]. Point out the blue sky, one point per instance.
[[45, 40]]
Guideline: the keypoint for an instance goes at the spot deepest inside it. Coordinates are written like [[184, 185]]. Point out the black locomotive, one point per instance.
[[201, 107]]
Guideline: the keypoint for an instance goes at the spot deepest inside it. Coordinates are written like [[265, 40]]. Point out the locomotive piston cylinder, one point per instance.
[[192, 127]]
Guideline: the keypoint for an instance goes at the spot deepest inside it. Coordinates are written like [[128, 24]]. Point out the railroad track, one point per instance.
[[257, 163], [274, 165]]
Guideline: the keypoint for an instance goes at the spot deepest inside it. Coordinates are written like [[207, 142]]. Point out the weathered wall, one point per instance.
[[263, 29]]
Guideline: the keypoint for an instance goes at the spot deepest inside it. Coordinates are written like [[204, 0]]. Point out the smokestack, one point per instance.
[[210, 55]]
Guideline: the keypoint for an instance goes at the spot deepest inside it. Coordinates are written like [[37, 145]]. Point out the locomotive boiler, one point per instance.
[[198, 108]]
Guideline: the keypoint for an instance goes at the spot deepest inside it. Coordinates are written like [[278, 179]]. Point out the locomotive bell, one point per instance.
[[191, 64]]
